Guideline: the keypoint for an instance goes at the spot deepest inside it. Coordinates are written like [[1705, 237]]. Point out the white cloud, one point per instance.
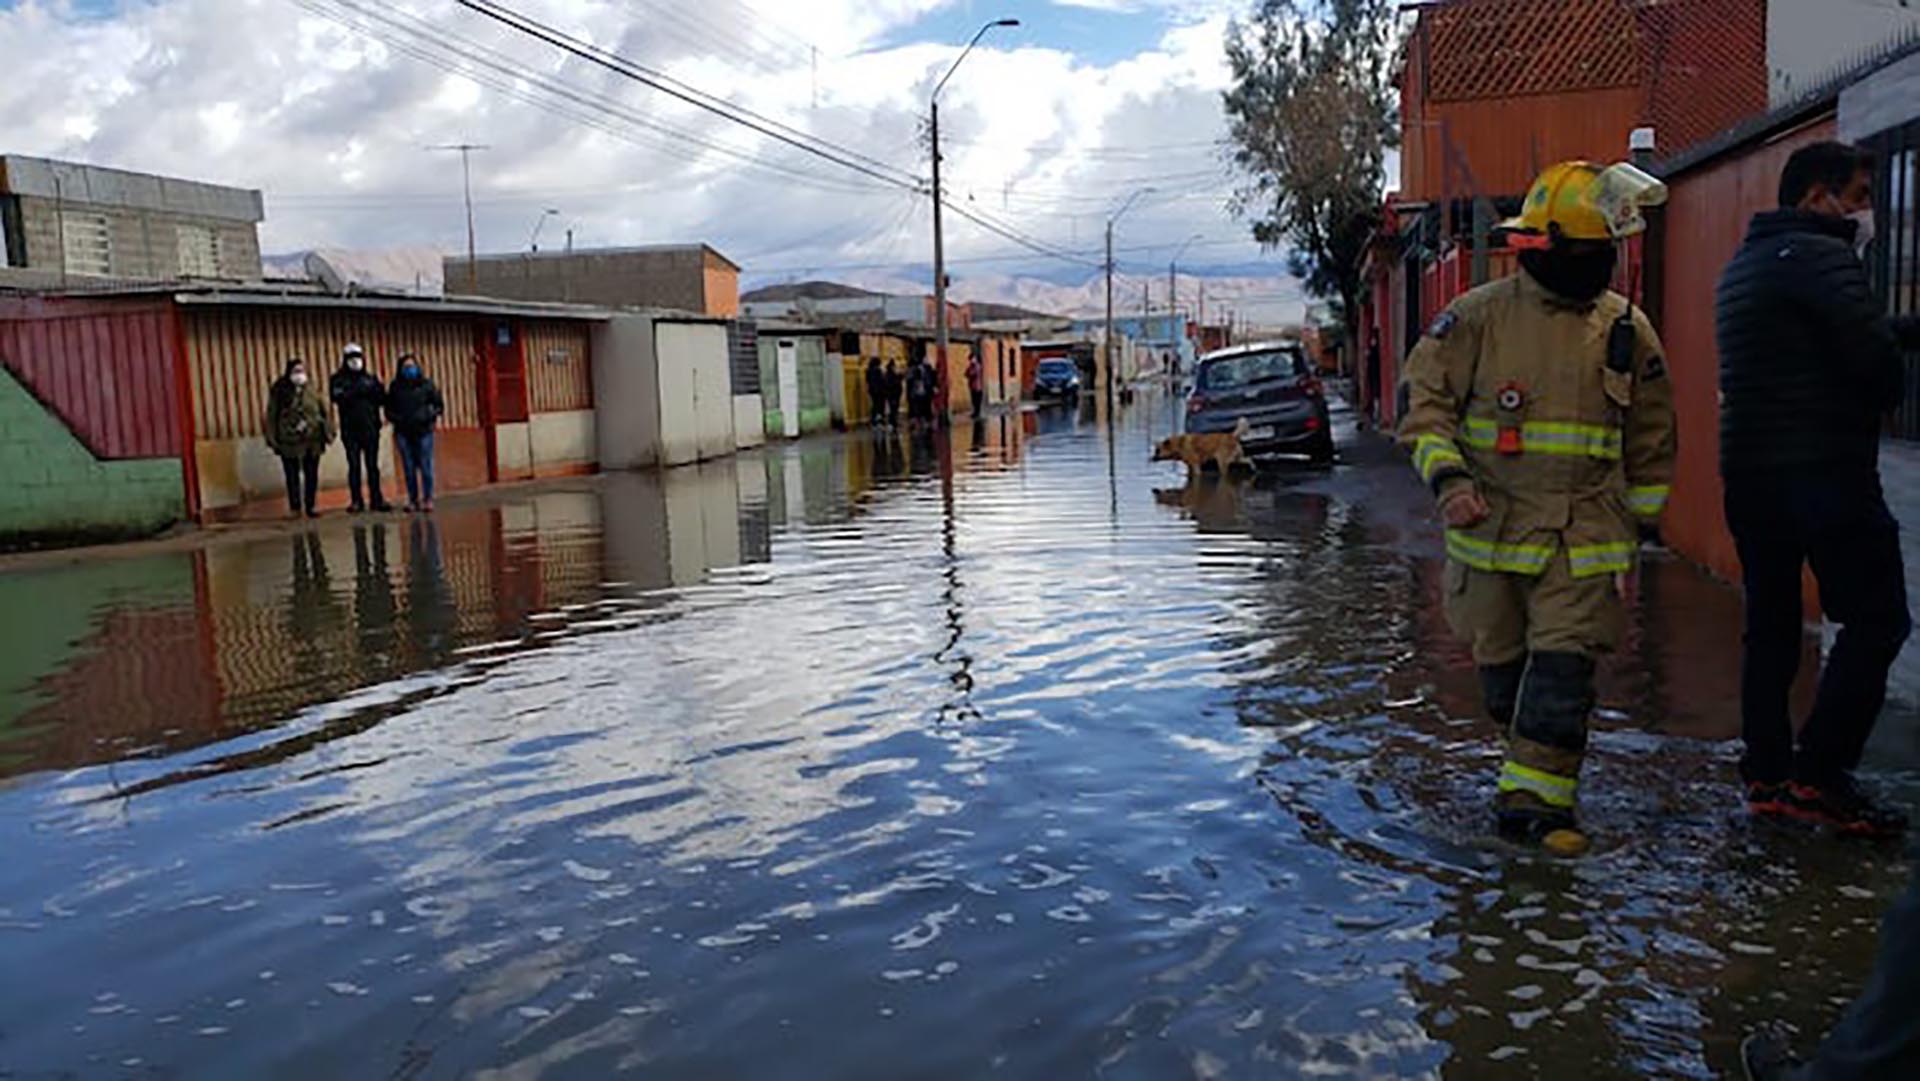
[[334, 126]]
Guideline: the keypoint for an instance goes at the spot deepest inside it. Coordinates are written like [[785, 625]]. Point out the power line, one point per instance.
[[672, 87], [472, 60], [745, 117]]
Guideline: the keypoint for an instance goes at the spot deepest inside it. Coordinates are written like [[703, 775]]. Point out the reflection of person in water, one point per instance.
[[312, 610], [431, 618], [373, 603]]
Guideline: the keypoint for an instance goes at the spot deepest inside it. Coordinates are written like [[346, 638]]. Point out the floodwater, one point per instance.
[[998, 755]]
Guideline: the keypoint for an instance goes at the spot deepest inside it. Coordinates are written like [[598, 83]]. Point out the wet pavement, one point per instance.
[[998, 755]]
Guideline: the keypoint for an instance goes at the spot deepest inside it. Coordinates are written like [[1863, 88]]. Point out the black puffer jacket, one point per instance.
[[359, 397], [414, 404], [1808, 360]]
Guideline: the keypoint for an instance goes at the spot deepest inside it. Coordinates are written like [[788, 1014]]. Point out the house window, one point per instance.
[[86, 244], [199, 249]]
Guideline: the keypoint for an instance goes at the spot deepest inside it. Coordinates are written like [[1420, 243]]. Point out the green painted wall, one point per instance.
[[53, 487], [816, 413]]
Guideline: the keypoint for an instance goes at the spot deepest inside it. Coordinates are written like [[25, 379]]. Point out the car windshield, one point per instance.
[[1056, 367], [1228, 373]]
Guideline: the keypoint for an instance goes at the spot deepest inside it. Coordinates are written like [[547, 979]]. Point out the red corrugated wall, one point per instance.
[[1706, 219], [106, 368]]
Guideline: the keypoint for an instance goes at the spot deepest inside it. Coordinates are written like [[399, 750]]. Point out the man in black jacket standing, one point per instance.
[[358, 397], [1809, 364]]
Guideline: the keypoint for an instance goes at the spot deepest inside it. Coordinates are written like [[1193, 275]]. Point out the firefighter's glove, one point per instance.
[[1461, 505]]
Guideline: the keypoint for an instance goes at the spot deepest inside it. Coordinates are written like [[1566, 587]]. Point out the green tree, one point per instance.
[[1311, 115]]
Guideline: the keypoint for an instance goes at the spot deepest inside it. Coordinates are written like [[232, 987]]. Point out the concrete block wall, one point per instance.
[[144, 243], [52, 487]]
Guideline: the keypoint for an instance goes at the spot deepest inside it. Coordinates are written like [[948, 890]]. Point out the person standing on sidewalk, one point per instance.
[[414, 406], [977, 385], [358, 397], [1809, 363], [896, 386], [876, 392], [1541, 415], [298, 431]]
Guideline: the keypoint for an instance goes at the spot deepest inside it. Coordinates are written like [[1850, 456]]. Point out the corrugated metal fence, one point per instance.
[[234, 356], [107, 372], [559, 373]]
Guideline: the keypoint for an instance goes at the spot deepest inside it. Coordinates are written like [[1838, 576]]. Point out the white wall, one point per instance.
[[626, 393], [561, 439], [749, 420]]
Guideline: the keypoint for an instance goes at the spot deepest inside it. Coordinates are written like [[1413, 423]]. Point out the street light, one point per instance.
[[533, 242], [939, 238], [1107, 346]]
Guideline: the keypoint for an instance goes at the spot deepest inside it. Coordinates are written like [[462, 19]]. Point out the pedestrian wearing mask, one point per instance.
[[298, 431], [414, 407], [1809, 364], [358, 397], [1541, 415]]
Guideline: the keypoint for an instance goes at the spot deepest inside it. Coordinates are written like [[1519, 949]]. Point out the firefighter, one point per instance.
[[1540, 414]]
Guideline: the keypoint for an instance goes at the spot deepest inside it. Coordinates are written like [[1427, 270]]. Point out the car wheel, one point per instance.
[[1321, 450]]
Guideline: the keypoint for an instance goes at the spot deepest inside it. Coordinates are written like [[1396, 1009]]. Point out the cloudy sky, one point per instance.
[[331, 107]]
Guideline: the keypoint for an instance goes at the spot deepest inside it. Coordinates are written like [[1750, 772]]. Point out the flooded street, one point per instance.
[[1001, 755]]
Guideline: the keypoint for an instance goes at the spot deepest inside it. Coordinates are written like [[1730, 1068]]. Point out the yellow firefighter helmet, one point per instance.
[[1579, 200]]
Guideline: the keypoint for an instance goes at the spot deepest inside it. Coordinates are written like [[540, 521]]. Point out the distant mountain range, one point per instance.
[[1269, 300]]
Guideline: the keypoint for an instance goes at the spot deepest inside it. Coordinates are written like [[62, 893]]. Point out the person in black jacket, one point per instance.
[[414, 407], [876, 392], [358, 398], [1809, 363]]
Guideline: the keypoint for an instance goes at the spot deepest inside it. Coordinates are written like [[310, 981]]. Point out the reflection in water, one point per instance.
[[826, 753]]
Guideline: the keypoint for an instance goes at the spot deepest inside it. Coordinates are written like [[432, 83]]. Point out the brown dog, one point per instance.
[[1222, 450]]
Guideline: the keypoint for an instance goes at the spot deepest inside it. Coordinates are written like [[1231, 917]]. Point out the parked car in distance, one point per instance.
[[1057, 377], [1272, 387]]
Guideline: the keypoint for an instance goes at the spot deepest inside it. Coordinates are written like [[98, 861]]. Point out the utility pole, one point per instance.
[[939, 236], [466, 183], [1113, 361], [1106, 346]]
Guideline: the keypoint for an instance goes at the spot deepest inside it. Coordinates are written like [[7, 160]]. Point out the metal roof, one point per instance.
[[308, 295]]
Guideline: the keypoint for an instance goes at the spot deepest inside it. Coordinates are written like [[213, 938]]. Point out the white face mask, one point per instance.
[[356, 363], [1863, 237], [299, 379]]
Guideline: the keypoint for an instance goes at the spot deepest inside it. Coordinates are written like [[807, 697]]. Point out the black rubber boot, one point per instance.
[[1548, 737], [1500, 687]]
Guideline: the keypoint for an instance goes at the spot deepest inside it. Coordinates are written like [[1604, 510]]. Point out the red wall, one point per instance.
[[1706, 219], [107, 369]]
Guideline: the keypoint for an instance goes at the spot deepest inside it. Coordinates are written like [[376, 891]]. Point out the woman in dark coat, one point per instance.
[[298, 430], [414, 406]]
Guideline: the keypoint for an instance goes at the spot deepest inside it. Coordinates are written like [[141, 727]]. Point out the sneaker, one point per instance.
[[311, 513], [1768, 799], [1764, 1057], [382, 507], [426, 506], [356, 508], [1841, 804]]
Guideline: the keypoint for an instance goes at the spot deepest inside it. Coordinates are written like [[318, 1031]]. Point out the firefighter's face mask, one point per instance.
[[1578, 270]]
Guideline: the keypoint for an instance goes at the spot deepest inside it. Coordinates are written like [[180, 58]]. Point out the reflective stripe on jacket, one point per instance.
[[1510, 389]]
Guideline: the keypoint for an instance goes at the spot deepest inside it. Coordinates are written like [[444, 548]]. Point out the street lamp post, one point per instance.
[[533, 242], [1106, 347], [939, 237]]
